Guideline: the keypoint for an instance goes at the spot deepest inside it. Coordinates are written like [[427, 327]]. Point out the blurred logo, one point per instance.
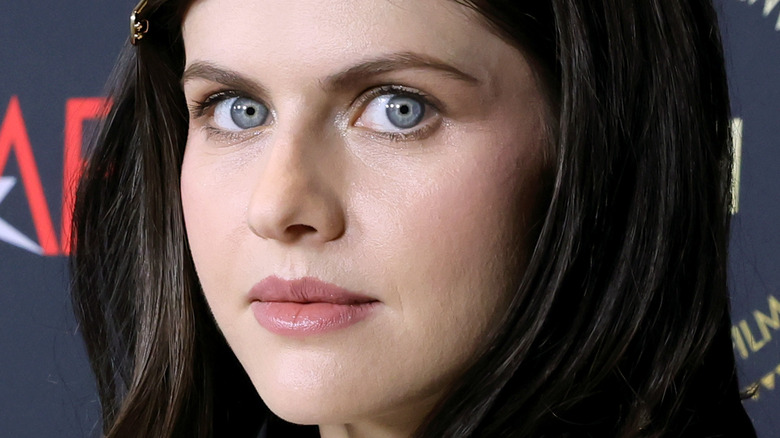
[[8, 233], [14, 138], [769, 6]]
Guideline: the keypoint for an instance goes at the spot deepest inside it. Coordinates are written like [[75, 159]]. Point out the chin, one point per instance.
[[309, 409], [302, 396]]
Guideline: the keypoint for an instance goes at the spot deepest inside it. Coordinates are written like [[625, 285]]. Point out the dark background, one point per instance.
[[52, 52]]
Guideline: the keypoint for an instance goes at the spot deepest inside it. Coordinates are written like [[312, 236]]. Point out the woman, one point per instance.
[[407, 218]]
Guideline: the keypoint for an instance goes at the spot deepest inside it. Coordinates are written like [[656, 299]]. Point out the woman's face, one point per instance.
[[359, 185]]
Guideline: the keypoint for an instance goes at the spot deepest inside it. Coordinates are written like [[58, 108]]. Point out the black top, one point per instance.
[[277, 428]]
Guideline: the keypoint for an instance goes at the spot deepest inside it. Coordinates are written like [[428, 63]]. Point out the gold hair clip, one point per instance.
[[138, 25]]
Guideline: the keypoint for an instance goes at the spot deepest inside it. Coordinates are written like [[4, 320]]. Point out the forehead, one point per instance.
[[325, 34]]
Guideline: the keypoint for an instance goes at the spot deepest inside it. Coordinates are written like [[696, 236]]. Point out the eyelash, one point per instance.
[[399, 90], [199, 109]]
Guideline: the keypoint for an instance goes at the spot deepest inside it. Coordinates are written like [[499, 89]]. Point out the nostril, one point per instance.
[[300, 229]]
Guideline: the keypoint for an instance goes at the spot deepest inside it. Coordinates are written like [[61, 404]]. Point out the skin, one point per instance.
[[435, 224]]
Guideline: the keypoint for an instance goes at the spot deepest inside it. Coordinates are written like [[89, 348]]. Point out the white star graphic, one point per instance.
[[7, 232]]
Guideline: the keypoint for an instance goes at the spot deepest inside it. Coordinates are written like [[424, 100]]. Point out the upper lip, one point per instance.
[[304, 290]]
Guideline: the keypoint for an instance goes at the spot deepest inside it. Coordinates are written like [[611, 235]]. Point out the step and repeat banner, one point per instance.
[[54, 59]]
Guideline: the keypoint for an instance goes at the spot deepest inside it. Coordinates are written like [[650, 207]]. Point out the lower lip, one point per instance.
[[301, 319]]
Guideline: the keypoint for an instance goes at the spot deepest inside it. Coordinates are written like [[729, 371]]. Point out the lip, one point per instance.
[[306, 306]]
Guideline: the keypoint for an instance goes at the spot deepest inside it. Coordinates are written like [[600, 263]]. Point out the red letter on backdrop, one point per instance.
[[77, 110], [13, 134]]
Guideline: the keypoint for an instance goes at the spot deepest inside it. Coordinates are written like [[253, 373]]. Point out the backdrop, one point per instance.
[[54, 59]]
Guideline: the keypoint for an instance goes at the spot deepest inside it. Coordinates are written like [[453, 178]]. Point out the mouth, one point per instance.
[[307, 306]]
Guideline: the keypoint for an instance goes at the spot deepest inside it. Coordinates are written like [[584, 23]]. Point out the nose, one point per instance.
[[295, 197]]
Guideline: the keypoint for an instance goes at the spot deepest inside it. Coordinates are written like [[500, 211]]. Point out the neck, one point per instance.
[[367, 430], [398, 425]]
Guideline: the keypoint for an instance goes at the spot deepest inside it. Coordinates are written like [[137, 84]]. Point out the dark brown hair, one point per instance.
[[621, 324]]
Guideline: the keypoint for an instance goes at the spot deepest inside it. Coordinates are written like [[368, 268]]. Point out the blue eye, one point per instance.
[[404, 112], [393, 113], [239, 113]]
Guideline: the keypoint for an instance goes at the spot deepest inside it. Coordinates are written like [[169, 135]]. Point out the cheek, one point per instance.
[[466, 211], [213, 202], [453, 238]]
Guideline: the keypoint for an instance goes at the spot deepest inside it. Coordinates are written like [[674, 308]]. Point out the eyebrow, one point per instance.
[[394, 62], [372, 67], [214, 73]]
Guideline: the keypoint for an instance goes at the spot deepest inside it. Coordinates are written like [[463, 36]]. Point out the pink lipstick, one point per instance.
[[306, 306]]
